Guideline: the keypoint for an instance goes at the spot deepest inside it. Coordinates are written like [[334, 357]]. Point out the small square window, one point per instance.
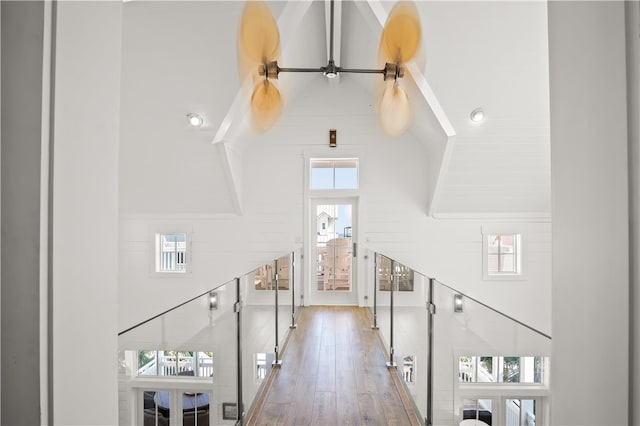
[[171, 253], [503, 254]]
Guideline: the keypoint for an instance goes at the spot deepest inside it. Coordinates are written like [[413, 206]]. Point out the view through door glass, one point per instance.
[[334, 247]]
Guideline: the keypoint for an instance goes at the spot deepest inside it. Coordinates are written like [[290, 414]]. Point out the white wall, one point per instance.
[[392, 205], [85, 212], [450, 250], [159, 152], [589, 212], [221, 250]]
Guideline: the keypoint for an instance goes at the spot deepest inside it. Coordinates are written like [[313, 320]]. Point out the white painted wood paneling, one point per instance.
[[393, 219], [179, 57], [175, 61], [495, 57]]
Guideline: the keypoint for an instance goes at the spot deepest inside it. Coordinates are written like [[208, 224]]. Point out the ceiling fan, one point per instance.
[[259, 48]]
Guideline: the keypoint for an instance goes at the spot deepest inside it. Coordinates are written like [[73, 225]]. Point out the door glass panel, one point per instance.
[[284, 272], [195, 409], [520, 412], [479, 410], [403, 273], [334, 247], [156, 407]]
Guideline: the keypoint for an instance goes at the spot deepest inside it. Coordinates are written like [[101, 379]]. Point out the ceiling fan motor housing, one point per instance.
[[269, 70], [393, 71]]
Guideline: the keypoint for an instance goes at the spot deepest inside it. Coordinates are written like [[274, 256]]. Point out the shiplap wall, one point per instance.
[[392, 217]]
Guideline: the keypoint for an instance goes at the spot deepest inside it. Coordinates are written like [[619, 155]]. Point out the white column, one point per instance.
[[85, 212], [589, 213]]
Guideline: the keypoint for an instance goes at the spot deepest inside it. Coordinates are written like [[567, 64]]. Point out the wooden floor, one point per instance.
[[333, 373]]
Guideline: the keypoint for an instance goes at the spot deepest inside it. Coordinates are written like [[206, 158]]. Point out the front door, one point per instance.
[[333, 262]]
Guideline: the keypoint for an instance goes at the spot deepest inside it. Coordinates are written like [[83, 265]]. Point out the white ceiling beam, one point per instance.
[[337, 28], [234, 121], [425, 89], [376, 20], [230, 164]]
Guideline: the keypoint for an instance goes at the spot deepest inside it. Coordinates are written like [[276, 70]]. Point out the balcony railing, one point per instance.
[[446, 333], [207, 357]]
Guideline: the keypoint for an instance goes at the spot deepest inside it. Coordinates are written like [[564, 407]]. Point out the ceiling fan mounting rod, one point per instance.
[[362, 71], [338, 69], [271, 70], [331, 35], [334, 68], [300, 69], [390, 70]]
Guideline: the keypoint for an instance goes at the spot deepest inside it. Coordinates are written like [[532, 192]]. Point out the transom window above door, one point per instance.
[[333, 173]]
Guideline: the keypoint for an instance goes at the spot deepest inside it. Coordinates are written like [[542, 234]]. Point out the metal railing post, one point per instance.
[[392, 283], [237, 309], [375, 292], [276, 361], [432, 312], [293, 291]]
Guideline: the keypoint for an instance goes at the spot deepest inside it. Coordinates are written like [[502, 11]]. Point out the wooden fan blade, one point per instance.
[[258, 35], [266, 105], [400, 37], [394, 110]]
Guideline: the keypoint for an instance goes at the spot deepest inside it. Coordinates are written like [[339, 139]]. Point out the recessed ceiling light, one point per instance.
[[477, 115], [194, 120]]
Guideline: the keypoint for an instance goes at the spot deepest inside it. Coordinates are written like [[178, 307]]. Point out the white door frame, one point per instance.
[[333, 298]]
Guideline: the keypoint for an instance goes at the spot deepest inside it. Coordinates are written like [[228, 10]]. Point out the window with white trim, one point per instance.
[[171, 253], [503, 253], [501, 369], [333, 173], [175, 363]]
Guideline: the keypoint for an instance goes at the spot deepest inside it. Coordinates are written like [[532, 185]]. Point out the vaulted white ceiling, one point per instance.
[[180, 57]]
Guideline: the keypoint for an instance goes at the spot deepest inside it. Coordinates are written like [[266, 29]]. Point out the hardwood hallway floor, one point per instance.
[[333, 373]]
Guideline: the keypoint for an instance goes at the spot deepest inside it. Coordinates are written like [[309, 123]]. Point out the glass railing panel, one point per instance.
[[180, 364], [296, 284], [257, 293], [371, 284], [285, 303], [383, 298], [224, 330], [487, 366], [411, 334]]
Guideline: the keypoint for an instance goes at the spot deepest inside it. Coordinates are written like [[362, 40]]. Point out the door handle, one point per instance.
[[355, 247]]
